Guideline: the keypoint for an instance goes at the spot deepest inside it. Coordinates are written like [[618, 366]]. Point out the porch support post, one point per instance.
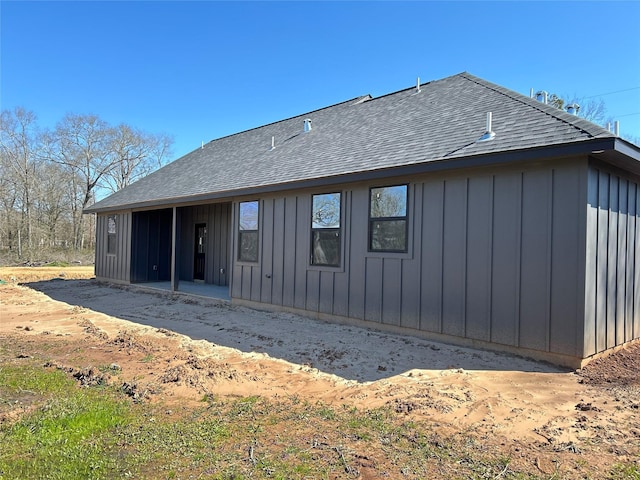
[[174, 251]]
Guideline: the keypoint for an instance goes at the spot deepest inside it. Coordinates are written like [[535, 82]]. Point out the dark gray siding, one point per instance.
[[494, 255], [612, 303], [217, 218], [114, 267]]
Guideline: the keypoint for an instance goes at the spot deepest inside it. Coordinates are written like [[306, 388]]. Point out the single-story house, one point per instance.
[[456, 210]]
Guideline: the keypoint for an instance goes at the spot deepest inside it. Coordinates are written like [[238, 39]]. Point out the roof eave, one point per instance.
[[611, 149]]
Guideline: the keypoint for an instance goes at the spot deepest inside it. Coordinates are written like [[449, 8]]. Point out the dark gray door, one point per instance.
[[200, 249]]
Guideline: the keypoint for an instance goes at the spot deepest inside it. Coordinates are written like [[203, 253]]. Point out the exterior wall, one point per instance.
[[612, 303], [495, 256], [217, 217], [114, 267]]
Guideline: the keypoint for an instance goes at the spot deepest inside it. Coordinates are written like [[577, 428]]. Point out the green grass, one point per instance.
[[68, 432], [147, 358], [16, 381], [57, 264], [625, 471], [64, 437]]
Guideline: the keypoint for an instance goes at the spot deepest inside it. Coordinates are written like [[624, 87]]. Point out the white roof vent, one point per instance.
[[573, 108], [489, 134], [307, 125], [541, 96]]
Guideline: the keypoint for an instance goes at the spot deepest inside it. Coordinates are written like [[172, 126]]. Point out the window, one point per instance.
[[388, 219], [111, 234], [248, 232], [325, 229]]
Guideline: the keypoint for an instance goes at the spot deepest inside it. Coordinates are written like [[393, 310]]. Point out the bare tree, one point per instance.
[[136, 154], [590, 108], [48, 178], [635, 139], [82, 144], [51, 200], [8, 202], [19, 158]]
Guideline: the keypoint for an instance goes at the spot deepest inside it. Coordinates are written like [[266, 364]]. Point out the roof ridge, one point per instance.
[[413, 87], [355, 100], [560, 115]]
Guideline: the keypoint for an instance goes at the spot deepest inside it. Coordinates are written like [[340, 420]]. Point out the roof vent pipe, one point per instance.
[[573, 108], [307, 125], [608, 126], [616, 128], [418, 85], [531, 93], [541, 96], [488, 134], [273, 142]]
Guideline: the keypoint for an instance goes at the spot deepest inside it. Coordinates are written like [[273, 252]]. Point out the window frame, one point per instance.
[[373, 220], [243, 231], [339, 229], [112, 236]]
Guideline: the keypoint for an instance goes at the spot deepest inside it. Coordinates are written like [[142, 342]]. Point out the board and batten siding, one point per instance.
[[114, 267], [612, 301], [217, 218], [495, 256]]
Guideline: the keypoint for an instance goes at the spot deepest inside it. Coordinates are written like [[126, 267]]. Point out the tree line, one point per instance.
[[48, 176], [592, 109]]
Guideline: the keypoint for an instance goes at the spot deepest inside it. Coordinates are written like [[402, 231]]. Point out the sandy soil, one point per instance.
[[177, 349]]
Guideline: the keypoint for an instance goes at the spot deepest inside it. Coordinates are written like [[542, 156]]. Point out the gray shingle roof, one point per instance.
[[441, 122]]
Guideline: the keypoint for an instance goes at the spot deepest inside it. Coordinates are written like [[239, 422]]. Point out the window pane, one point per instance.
[[389, 202], [249, 215], [389, 235], [111, 244], [326, 211], [325, 247], [248, 246], [111, 225], [111, 234]]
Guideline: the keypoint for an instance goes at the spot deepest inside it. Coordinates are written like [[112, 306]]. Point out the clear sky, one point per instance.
[[200, 70]]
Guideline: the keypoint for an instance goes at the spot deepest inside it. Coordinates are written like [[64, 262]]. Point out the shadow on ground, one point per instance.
[[352, 353]]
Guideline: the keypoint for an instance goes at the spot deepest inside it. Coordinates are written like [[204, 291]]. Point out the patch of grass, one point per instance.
[[57, 264], [368, 422], [625, 471], [65, 437], [72, 433], [147, 358], [18, 379], [244, 406], [155, 444]]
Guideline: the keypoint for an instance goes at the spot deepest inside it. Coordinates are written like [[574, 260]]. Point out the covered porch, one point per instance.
[[183, 249]]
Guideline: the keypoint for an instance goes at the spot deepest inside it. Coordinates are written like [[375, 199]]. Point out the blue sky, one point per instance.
[[201, 70]]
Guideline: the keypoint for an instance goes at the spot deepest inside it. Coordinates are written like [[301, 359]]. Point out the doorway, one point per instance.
[[200, 248]]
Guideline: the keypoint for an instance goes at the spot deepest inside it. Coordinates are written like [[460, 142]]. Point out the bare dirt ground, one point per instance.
[[175, 349]]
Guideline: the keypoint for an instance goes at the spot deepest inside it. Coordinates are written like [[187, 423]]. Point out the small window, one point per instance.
[[325, 230], [111, 234], [388, 219], [248, 232]]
